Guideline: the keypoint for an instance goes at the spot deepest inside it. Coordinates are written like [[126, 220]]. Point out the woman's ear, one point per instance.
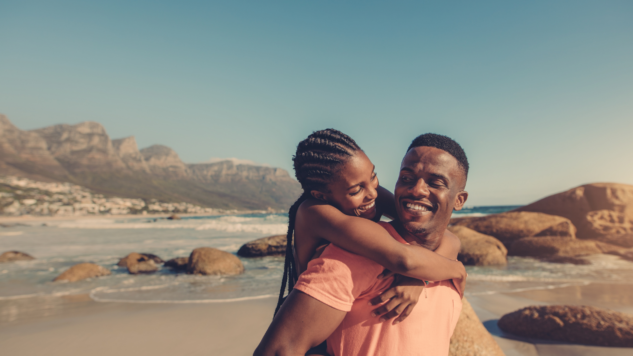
[[318, 195]]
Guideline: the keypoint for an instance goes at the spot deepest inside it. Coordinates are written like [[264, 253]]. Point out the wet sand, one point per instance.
[[77, 325]]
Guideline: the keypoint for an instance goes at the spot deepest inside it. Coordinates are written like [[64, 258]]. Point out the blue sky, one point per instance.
[[539, 94]]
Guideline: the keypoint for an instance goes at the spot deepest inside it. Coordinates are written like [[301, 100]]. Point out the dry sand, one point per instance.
[[76, 325]]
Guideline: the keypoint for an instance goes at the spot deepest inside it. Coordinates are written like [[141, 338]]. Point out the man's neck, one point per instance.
[[429, 241]]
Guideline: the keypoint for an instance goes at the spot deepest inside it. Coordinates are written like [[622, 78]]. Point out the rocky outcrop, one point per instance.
[[25, 152], [266, 246], [85, 147], [123, 262], [553, 246], [127, 149], [82, 271], [479, 249], [178, 264], [164, 162], [211, 261], [600, 211], [511, 226], [470, 337], [138, 263], [575, 324], [173, 217], [12, 256]]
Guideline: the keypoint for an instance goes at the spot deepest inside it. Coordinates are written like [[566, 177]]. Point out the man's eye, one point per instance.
[[406, 179], [356, 192]]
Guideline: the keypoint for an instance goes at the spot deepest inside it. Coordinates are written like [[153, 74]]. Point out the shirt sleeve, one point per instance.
[[338, 277]]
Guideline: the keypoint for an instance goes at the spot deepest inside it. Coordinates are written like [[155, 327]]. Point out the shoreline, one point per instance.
[[43, 218], [78, 324]]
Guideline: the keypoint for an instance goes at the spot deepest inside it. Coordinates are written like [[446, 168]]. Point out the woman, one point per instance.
[[340, 203]]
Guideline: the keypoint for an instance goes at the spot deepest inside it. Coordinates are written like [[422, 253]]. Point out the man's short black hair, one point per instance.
[[443, 143]]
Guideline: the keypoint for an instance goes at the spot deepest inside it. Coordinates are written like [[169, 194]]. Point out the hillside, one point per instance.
[[84, 154]]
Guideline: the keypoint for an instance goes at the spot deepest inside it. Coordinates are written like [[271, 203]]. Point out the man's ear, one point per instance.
[[318, 195], [460, 200]]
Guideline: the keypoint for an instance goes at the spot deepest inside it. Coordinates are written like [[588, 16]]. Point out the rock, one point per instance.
[[575, 324], [511, 226], [82, 271], [552, 246], [479, 249], [140, 263], [266, 246], [11, 256], [178, 263], [142, 266], [173, 217], [211, 261], [600, 211], [470, 337], [135, 256]]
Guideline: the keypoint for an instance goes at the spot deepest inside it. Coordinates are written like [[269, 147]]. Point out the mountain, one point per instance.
[[84, 154]]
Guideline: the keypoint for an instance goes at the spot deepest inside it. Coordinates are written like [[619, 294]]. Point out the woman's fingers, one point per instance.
[[394, 313], [385, 296], [387, 308], [405, 313]]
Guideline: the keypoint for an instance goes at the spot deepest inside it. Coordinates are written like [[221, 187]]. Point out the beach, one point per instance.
[[169, 313]]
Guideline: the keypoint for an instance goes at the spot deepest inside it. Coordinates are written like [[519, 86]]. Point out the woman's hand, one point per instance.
[[401, 298]]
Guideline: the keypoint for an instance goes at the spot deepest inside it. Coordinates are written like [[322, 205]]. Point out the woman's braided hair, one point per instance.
[[316, 162]]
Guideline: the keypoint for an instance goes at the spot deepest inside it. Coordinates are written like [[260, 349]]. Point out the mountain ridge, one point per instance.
[[84, 154]]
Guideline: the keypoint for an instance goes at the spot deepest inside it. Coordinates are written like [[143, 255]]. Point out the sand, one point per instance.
[[76, 325]]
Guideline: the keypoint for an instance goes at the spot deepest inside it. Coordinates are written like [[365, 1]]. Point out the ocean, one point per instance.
[[58, 244]]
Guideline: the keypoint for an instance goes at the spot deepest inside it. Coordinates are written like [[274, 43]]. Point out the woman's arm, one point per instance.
[[366, 238]]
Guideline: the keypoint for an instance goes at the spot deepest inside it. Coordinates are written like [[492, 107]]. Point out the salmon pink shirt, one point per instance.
[[348, 282]]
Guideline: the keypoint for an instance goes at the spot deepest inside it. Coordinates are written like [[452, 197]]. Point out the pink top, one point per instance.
[[347, 282]]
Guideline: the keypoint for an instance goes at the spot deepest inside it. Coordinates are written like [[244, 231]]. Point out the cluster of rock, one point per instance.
[[24, 196], [590, 219], [575, 324], [202, 261]]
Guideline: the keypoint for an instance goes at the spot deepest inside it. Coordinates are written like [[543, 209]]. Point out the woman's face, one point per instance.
[[353, 190]]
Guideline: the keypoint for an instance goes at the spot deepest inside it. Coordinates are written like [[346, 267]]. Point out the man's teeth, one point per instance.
[[417, 207], [367, 207]]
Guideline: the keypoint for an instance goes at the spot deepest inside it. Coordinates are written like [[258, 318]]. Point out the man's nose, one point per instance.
[[420, 189]]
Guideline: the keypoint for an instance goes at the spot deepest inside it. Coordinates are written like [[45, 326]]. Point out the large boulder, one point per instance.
[[600, 211], [479, 249], [12, 256], [266, 246], [211, 261], [178, 263], [575, 324], [137, 263], [82, 271], [123, 262], [511, 226], [470, 337], [553, 246]]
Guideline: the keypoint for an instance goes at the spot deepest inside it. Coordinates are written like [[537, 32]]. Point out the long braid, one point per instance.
[[316, 162]]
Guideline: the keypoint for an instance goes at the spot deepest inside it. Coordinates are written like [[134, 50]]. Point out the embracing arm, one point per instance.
[[301, 323], [366, 238]]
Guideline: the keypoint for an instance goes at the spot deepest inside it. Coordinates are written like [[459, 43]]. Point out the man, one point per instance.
[[331, 298]]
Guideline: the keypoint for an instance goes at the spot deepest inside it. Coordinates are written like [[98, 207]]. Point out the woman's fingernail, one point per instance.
[[396, 322]]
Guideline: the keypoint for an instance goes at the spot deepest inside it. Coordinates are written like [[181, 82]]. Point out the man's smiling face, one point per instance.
[[430, 185]]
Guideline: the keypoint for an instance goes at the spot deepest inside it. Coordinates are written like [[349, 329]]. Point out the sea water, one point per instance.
[[57, 245]]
